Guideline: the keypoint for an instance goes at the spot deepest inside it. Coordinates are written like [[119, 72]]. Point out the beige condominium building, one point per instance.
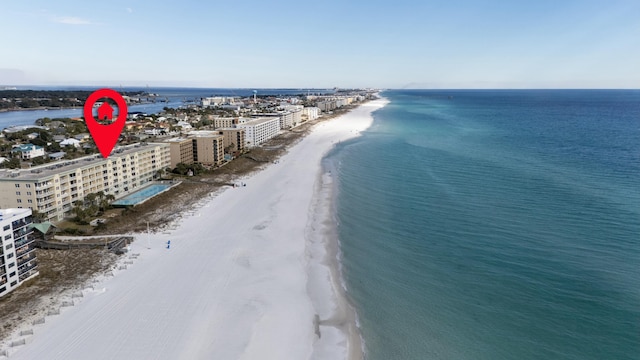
[[234, 138], [208, 148], [228, 122], [181, 150], [51, 189], [18, 261]]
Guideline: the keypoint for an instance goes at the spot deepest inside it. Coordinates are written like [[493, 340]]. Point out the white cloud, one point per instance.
[[70, 20], [129, 10]]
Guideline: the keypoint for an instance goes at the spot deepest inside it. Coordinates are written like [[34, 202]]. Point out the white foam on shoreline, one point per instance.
[[242, 279], [338, 323]]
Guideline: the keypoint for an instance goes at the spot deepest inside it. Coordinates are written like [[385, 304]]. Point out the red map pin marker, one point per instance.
[[105, 136]]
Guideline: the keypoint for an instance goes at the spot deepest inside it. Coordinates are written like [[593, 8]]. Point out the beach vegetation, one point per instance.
[[185, 169]]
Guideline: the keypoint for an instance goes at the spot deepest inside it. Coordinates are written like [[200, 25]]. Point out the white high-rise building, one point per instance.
[[260, 130], [17, 249]]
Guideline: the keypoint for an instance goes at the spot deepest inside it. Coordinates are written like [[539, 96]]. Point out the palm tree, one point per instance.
[[38, 217], [90, 198], [105, 202], [78, 211]]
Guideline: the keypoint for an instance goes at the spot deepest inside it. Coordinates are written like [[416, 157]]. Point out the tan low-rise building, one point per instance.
[[228, 122], [181, 150], [208, 148], [234, 139]]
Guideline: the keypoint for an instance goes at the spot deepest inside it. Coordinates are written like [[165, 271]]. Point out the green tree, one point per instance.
[[39, 160], [79, 212], [12, 163], [105, 202], [90, 199], [38, 217]]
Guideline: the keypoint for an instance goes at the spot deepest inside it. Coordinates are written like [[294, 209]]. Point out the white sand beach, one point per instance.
[[245, 275]]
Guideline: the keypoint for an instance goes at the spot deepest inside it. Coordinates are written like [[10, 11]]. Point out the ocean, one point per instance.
[[494, 224]]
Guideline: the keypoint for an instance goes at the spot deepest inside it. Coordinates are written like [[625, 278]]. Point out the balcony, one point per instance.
[[43, 186], [24, 241], [21, 232], [45, 201], [27, 270], [20, 223], [25, 251], [25, 259]]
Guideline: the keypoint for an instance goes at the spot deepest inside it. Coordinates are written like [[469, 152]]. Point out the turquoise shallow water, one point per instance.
[[495, 225]]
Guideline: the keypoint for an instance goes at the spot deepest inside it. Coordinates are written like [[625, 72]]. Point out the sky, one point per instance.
[[322, 44]]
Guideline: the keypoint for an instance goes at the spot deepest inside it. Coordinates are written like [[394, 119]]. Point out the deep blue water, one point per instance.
[[495, 225]]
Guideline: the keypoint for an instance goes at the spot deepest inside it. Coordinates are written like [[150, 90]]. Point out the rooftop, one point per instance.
[[48, 170], [176, 140], [204, 133], [6, 214], [260, 120], [26, 147]]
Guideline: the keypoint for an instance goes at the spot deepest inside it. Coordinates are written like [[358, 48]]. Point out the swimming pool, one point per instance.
[[142, 195]]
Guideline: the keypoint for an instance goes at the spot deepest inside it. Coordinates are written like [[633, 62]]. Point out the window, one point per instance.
[[11, 265], [9, 246], [7, 237], [14, 283], [28, 192], [28, 185], [3, 289], [6, 227], [12, 274], [9, 256], [19, 201], [18, 193], [17, 185], [30, 201]]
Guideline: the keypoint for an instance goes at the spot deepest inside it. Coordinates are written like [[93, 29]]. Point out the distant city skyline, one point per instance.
[[402, 44]]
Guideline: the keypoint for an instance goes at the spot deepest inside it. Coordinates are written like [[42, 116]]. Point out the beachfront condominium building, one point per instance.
[[326, 105], [285, 118], [234, 139], [296, 113], [208, 148], [227, 122], [53, 188], [181, 150], [310, 113], [260, 130], [18, 261]]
